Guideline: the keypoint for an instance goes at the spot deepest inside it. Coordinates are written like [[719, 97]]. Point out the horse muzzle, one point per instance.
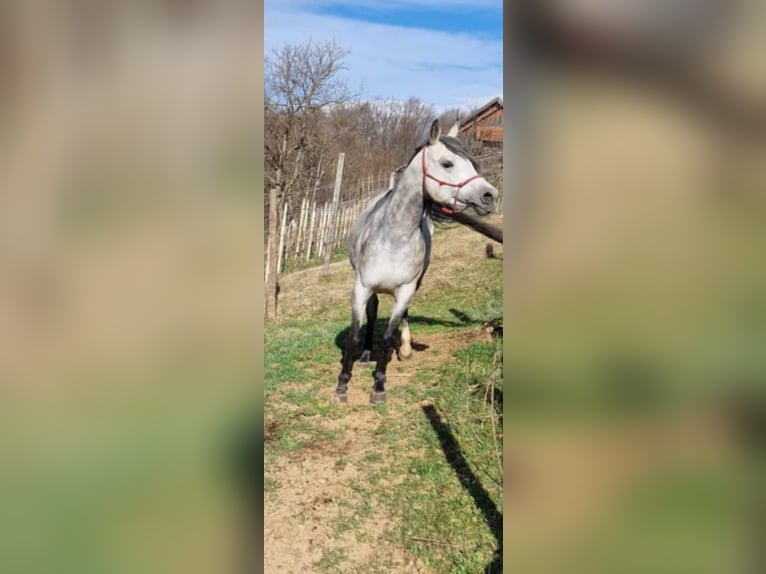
[[485, 199]]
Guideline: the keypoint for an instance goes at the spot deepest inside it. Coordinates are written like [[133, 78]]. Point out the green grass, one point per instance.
[[650, 325], [406, 475], [445, 524], [331, 560], [95, 485], [686, 520], [657, 330]]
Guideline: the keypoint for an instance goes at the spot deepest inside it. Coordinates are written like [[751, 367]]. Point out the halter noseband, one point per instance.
[[444, 208]]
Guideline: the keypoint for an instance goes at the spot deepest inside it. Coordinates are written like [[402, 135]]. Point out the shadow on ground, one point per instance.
[[471, 483], [463, 320]]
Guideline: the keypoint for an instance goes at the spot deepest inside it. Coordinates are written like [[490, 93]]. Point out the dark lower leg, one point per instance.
[[369, 333], [348, 358], [379, 377], [403, 296]]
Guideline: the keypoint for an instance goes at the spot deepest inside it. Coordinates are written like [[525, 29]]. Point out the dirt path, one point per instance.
[[316, 483]]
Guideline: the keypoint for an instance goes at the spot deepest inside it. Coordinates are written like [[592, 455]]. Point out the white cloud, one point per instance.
[[397, 62]]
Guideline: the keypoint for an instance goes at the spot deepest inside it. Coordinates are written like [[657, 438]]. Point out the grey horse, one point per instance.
[[390, 243]]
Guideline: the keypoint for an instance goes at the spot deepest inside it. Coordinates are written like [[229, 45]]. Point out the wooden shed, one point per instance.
[[486, 124]]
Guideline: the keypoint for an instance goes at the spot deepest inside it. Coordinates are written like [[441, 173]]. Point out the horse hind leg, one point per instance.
[[358, 302], [369, 333], [403, 296], [405, 349]]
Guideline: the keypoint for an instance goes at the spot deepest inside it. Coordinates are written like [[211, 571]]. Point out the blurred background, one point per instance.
[[130, 245], [635, 286], [131, 233]]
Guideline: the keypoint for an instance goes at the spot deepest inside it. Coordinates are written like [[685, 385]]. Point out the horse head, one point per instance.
[[450, 175]]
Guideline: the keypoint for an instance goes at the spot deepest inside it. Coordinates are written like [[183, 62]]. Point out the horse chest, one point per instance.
[[387, 268]]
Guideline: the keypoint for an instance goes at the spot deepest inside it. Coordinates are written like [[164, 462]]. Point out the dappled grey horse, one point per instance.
[[390, 243]]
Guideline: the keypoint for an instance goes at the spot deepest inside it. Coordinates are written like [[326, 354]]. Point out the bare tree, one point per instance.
[[377, 136], [400, 127], [452, 115], [301, 81]]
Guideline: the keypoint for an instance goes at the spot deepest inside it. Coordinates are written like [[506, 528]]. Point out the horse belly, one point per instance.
[[386, 279]]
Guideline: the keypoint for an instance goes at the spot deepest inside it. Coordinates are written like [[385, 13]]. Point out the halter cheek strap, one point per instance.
[[426, 175]]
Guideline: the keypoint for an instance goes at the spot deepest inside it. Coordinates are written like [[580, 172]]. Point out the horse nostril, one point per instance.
[[488, 197]]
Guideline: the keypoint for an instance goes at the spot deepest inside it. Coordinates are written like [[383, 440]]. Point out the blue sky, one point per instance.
[[447, 53]]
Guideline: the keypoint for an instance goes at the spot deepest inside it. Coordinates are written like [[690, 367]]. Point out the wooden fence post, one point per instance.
[[282, 239], [271, 282], [268, 263], [301, 225], [312, 222], [321, 227], [330, 235]]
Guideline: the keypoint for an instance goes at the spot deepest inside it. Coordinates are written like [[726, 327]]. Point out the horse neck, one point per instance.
[[406, 205]]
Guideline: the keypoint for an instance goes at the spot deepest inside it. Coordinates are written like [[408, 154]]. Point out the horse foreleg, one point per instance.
[[369, 333], [403, 296], [358, 301]]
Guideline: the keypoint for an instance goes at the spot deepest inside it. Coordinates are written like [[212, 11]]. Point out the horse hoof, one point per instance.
[[377, 397], [365, 357], [340, 398]]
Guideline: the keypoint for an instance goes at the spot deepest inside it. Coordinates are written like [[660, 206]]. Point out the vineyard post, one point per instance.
[[330, 235], [271, 283]]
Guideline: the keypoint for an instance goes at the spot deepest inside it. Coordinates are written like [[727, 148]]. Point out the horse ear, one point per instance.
[[454, 130], [436, 132]]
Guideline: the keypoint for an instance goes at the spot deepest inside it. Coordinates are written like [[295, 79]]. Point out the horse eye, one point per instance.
[[447, 163]]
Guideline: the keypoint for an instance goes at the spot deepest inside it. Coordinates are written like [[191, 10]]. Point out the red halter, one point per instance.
[[444, 208]]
